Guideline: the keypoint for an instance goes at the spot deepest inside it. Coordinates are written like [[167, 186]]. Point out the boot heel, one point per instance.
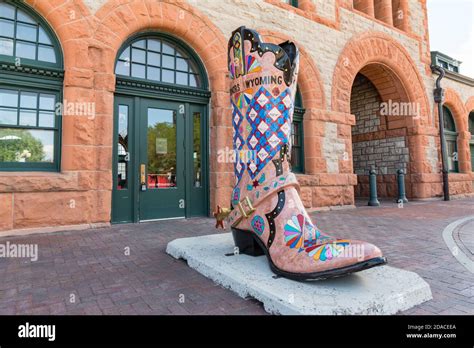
[[246, 243]]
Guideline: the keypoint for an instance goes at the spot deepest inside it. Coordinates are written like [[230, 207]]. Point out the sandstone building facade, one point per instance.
[[118, 110]]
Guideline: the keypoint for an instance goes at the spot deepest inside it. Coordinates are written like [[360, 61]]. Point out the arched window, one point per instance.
[[471, 142], [158, 60], [297, 150], [30, 90], [451, 136], [293, 3]]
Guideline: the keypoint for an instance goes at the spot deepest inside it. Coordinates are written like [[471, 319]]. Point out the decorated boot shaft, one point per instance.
[[262, 92]]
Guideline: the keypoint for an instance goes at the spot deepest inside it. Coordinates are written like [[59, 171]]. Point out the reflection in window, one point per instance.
[[29, 116], [122, 151], [471, 142], [451, 136], [161, 148], [158, 60], [297, 154], [293, 3], [33, 116], [21, 36], [197, 149], [26, 145]]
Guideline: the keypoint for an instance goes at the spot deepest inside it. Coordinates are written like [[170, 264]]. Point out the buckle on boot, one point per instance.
[[245, 207]]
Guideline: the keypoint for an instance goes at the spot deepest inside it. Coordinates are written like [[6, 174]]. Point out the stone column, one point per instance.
[[366, 6], [383, 11], [463, 152], [400, 14]]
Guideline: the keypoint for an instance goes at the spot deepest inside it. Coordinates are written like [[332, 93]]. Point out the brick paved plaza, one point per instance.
[[93, 265]]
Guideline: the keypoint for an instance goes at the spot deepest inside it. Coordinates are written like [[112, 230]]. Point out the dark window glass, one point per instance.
[[28, 100], [29, 124], [6, 47], [7, 11], [181, 78], [43, 37], [153, 73], [31, 112], [452, 155], [197, 149], [139, 44], [449, 124], [161, 137], [138, 70], [138, 56], [154, 45], [154, 59], [471, 123], [451, 139], [8, 116], [168, 62], [167, 48], [25, 50], [122, 68], [27, 117], [26, 145], [46, 54], [8, 97], [47, 101], [123, 152], [167, 76], [7, 28], [23, 36], [159, 61], [26, 32], [297, 153]]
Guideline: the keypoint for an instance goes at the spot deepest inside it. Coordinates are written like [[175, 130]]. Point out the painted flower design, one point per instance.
[[294, 231]]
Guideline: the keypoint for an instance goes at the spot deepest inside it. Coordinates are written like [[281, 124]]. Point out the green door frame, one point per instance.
[[134, 99], [191, 97]]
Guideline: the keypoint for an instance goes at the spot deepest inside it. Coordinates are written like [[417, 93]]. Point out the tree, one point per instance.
[[14, 142]]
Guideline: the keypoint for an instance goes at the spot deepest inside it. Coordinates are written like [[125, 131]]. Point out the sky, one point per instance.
[[451, 28]]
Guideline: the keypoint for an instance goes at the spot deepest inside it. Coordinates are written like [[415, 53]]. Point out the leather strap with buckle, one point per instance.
[[248, 204]]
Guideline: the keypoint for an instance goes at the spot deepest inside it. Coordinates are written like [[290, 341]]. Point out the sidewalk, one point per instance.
[[94, 266]]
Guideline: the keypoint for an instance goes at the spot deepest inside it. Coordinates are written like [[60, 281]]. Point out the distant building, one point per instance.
[[445, 61]]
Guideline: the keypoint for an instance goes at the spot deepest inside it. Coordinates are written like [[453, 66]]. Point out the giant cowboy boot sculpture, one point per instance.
[[267, 215]]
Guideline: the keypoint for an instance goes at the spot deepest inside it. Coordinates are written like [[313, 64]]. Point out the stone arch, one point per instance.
[[402, 79], [460, 114], [457, 107], [70, 21], [117, 21], [387, 64], [391, 69], [470, 105]]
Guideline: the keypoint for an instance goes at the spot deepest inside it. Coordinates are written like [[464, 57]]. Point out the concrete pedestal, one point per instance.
[[380, 290]]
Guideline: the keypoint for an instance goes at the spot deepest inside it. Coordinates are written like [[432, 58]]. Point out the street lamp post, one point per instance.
[[438, 94]]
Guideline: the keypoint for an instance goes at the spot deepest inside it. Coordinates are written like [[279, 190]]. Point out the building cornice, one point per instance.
[[458, 78]]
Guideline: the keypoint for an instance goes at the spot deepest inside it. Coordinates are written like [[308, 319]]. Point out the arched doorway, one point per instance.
[[160, 167], [379, 142]]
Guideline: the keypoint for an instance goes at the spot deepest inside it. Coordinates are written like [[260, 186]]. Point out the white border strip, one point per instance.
[[453, 247]]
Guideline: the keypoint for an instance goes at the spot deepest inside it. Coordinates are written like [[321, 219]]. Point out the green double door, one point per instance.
[[160, 160]]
